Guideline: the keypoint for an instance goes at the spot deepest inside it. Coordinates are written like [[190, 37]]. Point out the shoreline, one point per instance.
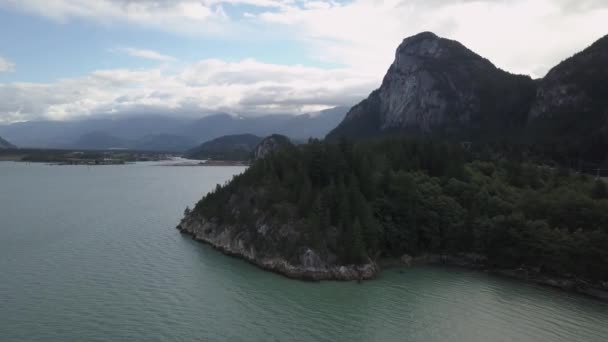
[[598, 290], [281, 266], [372, 270], [191, 162]]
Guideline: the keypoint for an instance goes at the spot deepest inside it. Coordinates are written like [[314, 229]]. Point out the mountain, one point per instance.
[[5, 144], [99, 141], [335, 211], [323, 210], [163, 142], [571, 105], [438, 87], [177, 132], [229, 147], [61, 134], [300, 127]]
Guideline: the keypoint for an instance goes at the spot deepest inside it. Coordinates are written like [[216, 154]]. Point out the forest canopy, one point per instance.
[[398, 196]]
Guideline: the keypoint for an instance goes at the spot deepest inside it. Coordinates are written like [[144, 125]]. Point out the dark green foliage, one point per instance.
[[230, 147], [396, 196], [572, 118], [600, 191]]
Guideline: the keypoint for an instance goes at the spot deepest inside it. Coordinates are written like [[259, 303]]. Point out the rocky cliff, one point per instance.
[[437, 86], [269, 145], [272, 246]]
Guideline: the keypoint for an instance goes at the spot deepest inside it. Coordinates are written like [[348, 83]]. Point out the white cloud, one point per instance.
[[524, 36], [246, 87], [6, 65], [147, 54], [175, 15]]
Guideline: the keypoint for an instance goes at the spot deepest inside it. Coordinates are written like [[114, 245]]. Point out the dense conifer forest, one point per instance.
[[396, 196]]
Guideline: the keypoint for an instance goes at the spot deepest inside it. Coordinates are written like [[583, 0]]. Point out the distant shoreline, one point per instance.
[[208, 163], [83, 157]]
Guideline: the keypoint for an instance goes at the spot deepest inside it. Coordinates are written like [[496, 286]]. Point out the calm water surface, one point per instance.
[[91, 254]]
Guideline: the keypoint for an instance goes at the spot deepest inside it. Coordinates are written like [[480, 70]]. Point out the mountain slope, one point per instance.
[[99, 141], [571, 105], [163, 142], [270, 145], [135, 128], [5, 144], [229, 147], [437, 86]]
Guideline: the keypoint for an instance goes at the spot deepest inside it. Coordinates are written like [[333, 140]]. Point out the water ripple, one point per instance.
[[106, 264]]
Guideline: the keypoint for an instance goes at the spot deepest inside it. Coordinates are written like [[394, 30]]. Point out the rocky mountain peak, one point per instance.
[[269, 145], [438, 86], [429, 45]]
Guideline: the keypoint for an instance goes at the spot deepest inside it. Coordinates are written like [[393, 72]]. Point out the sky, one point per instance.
[[69, 59]]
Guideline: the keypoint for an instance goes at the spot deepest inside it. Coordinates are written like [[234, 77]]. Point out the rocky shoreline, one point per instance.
[[597, 290], [312, 267], [575, 285]]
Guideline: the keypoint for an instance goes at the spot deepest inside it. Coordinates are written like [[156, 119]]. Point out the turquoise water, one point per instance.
[[91, 254]]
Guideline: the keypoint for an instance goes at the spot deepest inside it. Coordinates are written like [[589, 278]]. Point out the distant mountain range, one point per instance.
[[5, 144], [163, 133], [437, 87]]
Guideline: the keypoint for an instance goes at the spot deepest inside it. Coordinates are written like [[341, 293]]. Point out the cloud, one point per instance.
[[147, 54], [523, 36], [247, 87], [175, 15], [360, 37], [6, 65]]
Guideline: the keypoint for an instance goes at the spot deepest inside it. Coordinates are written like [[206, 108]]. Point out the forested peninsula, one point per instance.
[[451, 160]]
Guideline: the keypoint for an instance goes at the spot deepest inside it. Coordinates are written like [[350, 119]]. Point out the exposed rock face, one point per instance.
[[576, 85], [273, 247], [571, 104], [438, 86], [5, 144], [246, 219], [270, 144]]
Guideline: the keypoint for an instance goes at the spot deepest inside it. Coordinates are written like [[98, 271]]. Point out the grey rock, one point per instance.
[[244, 243], [407, 259], [270, 145], [438, 86]]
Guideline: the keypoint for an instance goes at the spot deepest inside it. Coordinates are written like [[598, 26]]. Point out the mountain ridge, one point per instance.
[[5, 144], [438, 87], [228, 147], [62, 134]]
